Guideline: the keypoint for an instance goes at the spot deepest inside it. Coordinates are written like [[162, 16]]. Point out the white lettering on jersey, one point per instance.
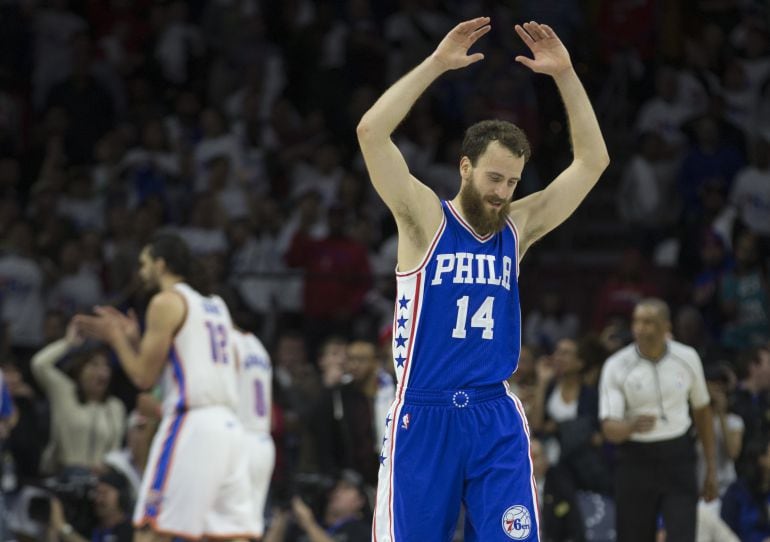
[[466, 273], [444, 264], [464, 261]]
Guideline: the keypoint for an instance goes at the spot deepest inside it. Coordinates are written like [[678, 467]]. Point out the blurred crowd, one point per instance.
[[232, 122]]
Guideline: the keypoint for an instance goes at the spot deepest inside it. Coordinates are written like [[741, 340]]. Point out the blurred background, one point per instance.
[[232, 123]]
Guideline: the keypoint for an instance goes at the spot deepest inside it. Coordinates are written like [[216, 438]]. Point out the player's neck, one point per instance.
[[167, 282]]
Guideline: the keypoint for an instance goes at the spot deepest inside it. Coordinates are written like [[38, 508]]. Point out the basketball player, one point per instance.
[[196, 480], [256, 401], [454, 433]]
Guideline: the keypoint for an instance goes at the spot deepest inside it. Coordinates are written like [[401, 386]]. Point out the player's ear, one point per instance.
[[465, 167]]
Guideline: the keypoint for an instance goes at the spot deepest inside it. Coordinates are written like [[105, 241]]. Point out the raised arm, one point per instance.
[[414, 206], [541, 212]]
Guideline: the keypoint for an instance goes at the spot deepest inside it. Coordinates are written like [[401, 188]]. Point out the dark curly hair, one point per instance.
[[510, 136]]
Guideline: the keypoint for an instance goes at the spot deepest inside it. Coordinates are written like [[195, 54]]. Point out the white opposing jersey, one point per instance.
[[202, 369], [255, 386]]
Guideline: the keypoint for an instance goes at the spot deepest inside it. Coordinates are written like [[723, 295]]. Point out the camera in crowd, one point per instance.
[[312, 488], [73, 488]]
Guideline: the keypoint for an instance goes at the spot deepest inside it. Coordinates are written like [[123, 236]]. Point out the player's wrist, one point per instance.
[[565, 74], [435, 65]]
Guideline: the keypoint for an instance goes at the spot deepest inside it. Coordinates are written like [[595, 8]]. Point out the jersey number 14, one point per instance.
[[482, 318]]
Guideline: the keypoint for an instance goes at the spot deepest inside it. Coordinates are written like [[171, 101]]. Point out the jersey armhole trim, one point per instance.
[[515, 231], [429, 252]]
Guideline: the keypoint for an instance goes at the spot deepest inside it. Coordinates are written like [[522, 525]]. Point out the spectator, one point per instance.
[[716, 262], [630, 283], [149, 168], [29, 436], [21, 284], [647, 195], [690, 329], [131, 460], [560, 513], [112, 507], [345, 516], [710, 160], [744, 506], [332, 361], [78, 287], [745, 297], [567, 408], [350, 422], [750, 195], [550, 322], [338, 276], [86, 421], [728, 430], [751, 398], [8, 414], [666, 112]]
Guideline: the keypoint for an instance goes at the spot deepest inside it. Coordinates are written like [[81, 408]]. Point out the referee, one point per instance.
[[646, 391]]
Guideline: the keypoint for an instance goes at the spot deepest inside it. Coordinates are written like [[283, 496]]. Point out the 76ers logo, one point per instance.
[[516, 522]]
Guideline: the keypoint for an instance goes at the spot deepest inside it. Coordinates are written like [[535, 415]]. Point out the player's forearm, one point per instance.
[[130, 361], [381, 120], [588, 144]]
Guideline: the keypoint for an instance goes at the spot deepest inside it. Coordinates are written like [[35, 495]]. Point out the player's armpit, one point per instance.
[[415, 207]]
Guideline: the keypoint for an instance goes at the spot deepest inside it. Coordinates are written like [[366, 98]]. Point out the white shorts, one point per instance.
[[196, 481], [261, 453]]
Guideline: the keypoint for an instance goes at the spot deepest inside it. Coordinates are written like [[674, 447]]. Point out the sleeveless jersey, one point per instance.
[[255, 382], [202, 369], [457, 321]]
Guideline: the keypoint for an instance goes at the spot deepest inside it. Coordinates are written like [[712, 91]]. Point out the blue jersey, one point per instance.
[[457, 322]]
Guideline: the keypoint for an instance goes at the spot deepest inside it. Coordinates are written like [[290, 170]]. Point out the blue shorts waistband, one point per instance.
[[458, 398]]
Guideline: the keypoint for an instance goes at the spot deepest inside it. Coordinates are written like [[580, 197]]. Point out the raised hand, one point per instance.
[[452, 52], [73, 336], [551, 57], [129, 323], [102, 327]]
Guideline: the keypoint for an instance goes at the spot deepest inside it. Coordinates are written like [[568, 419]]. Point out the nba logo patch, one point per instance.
[[516, 522], [405, 421]]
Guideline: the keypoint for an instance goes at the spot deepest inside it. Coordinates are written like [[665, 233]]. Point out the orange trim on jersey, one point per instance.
[[167, 474], [149, 523], [173, 454], [231, 536]]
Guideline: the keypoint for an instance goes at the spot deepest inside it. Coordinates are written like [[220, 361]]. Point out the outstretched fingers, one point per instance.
[[535, 30], [548, 31], [472, 25], [476, 34], [524, 35]]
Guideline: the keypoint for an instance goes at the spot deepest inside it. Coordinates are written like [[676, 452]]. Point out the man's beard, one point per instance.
[[481, 219]]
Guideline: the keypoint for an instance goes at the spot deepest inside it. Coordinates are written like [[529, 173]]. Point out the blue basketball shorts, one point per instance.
[[444, 448]]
